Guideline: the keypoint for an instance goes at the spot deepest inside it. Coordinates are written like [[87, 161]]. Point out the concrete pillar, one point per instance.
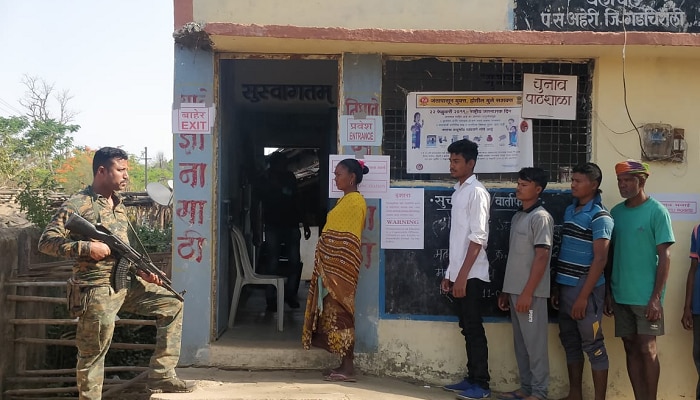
[[361, 81]]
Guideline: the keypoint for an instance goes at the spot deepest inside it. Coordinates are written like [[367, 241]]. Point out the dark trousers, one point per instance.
[[696, 351], [468, 310], [275, 237]]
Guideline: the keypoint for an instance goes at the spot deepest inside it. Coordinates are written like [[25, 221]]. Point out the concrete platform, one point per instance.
[[230, 352], [255, 343], [216, 384], [255, 361]]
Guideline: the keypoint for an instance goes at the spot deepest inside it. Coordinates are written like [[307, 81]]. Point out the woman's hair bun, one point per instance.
[[365, 170]]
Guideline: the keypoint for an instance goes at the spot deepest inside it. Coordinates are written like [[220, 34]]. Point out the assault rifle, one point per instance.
[[120, 277]]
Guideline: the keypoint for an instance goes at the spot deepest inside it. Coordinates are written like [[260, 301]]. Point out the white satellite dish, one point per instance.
[[160, 193]]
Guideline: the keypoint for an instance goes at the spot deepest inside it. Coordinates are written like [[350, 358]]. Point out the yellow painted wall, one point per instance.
[[658, 90], [666, 91], [480, 15]]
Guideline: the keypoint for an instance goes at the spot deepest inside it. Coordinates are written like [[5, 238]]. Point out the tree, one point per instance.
[[10, 134], [36, 101], [159, 170], [33, 142], [159, 161], [75, 172], [49, 135]]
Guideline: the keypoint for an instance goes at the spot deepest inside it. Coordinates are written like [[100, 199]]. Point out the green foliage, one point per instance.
[[158, 171], [45, 140], [10, 134], [154, 240], [36, 203], [28, 149]]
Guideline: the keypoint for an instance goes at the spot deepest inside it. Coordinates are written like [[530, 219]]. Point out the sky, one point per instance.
[[115, 58]]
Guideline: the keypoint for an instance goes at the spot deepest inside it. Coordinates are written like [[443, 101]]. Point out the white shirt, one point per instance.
[[469, 223]]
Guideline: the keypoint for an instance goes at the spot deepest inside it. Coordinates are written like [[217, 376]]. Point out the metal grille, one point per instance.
[[558, 144]]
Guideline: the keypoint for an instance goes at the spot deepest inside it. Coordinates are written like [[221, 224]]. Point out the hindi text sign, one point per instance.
[[360, 131], [374, 184], [403, 219], [681, 206], [549, 96], [193, 118]]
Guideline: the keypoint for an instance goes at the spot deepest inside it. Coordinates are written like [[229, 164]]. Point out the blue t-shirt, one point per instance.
[[581, 228], [694, 250], [638, 230]]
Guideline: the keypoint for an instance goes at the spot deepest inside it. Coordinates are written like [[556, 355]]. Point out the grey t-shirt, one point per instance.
[[529, 229]]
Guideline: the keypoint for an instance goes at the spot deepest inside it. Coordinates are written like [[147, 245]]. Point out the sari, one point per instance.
[[329, 319]]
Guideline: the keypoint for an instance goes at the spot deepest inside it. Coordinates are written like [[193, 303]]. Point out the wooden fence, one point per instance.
[[142, 209], [32, 289]]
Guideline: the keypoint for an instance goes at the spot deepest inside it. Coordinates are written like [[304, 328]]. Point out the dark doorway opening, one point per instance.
[[288, 107]]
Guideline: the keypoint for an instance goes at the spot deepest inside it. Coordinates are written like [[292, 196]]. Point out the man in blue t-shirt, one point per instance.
[[691, 309], [580, 291], [641, 244]]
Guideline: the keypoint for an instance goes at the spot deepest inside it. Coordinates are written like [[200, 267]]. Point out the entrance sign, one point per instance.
[[490, 119], [195, 118], [360, 131]]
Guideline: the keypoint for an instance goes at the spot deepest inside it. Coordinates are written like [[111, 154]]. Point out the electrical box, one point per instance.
[[678, 152], [657, 142]]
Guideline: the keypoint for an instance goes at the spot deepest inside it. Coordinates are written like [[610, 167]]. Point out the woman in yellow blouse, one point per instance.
[[329, 321]]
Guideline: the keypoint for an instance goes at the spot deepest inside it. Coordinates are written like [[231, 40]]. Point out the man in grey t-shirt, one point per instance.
[[526, 284]]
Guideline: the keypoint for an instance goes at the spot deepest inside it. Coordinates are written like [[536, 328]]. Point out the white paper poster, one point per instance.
[[361, 131], [195, 118], [490, 119], [403, 218], [681, 206], [549, 96], [374, 184]]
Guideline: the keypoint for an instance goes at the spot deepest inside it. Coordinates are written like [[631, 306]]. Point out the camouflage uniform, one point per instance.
[[96, 325]]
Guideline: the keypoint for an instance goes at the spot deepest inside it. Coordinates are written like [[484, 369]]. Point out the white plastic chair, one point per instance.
[[245, 275]]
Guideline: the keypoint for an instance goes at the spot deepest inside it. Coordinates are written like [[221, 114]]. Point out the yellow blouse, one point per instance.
[[348, 215]]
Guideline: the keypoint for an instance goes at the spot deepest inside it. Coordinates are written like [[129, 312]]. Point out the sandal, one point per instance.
[[512, 395], [338, 377]]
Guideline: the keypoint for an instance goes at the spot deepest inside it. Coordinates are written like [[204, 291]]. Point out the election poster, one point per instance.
[[490, 119]]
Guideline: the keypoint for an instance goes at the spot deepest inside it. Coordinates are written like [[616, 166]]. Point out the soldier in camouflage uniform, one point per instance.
[[93, 269]]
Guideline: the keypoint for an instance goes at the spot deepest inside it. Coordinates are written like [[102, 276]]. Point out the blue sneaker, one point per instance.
[[474, 392], [459, 387]]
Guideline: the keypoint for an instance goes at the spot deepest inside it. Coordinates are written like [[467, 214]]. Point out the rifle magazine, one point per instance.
[[121, 275]]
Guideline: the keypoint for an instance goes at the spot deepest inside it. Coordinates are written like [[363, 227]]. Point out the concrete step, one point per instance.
[[230, 353]]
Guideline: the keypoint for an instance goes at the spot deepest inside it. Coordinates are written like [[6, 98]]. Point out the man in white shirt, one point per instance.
[[469, 268]]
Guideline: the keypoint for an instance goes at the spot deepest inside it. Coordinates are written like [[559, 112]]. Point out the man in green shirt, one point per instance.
[[641, 242]]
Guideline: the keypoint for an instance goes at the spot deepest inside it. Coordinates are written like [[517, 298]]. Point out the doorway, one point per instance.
[[289, 106]]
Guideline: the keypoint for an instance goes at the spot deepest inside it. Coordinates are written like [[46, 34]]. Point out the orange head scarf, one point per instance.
[[631, 167]]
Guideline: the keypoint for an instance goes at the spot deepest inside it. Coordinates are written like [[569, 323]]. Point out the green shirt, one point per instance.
[[638, 230]]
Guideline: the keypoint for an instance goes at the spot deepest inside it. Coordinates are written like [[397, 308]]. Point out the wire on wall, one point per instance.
[[624, 92]]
